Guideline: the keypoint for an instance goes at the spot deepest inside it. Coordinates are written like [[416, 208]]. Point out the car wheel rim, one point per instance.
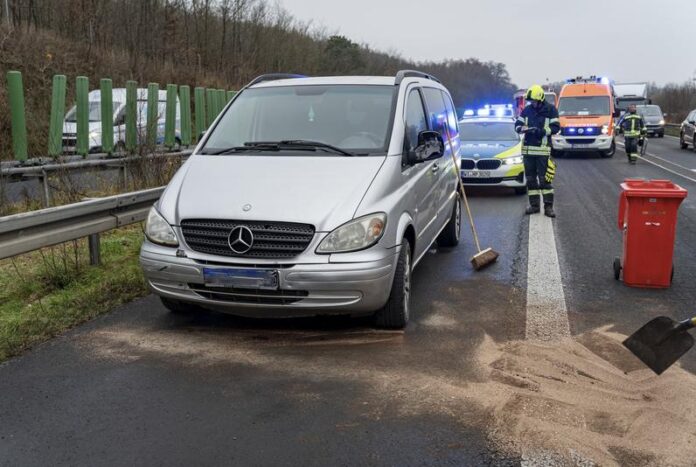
[[407, 283]]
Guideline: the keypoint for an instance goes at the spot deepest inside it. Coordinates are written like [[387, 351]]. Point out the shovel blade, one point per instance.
[[658, 344]]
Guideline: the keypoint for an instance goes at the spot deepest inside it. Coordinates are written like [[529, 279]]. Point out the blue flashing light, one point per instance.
[[483, 112], [500, 112], [469, 113], [589, 130], [604, 80], [571, 130]]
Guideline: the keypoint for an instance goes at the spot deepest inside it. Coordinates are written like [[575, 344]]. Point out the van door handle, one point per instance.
[[435, 168]]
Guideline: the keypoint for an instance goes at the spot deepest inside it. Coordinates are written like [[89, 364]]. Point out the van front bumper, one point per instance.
[[582, 143], [356, 288]]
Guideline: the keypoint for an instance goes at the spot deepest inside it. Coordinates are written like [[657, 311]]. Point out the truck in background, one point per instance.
[[520, 102], [630, 93], [586, 112]]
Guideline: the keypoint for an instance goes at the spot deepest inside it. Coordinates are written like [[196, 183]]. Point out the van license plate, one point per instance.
[[265, 279], [581, 146], [476, 173]]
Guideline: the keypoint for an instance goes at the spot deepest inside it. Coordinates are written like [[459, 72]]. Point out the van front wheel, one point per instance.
[[449, 236], [395, 313]]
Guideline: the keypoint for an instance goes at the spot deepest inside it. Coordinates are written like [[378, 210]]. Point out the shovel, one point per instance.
[[661, 342]]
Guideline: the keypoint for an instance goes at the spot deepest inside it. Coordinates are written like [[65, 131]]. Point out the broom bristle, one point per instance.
[[484, 258]]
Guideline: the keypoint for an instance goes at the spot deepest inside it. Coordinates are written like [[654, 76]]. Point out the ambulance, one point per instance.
[[586, 111]]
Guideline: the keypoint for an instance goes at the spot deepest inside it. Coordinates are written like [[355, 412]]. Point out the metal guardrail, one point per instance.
[[29, 231]]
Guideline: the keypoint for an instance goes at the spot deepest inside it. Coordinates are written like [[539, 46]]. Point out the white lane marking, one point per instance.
[[547, 316], [661, 166]]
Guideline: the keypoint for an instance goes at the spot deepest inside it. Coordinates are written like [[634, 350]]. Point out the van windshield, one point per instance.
[[582, 106], [93, 109], [355, 118], [649, 111]]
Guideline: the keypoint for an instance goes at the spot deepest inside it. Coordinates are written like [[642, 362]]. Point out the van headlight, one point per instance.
[[158, 231], [357, 234], [514, 160], [662, 122], [605, 129]]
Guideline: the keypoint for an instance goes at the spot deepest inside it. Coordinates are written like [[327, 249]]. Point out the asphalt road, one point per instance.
[[143, 387]]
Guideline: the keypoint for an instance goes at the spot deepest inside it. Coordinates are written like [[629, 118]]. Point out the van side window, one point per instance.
[[415, 119], [451, 116], [436, 109]]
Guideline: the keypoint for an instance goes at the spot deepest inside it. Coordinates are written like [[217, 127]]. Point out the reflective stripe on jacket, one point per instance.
[[544, 119]]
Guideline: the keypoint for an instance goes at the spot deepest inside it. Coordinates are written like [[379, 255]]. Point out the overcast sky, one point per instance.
[[630, 41]]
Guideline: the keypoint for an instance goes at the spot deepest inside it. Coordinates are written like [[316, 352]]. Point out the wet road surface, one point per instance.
[[142, 386]]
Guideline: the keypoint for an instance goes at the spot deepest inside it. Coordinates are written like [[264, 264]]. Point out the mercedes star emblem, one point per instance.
[[241, 239], [246, 207]]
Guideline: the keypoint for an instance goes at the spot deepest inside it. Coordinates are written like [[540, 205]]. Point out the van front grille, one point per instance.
[[269, 239]]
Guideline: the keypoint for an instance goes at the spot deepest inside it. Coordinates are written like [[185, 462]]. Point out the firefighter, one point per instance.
[[633, 128], [537, 122]]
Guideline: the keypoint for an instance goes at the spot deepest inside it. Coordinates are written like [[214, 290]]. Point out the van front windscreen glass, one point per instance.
[[582, 106], [355, 118]]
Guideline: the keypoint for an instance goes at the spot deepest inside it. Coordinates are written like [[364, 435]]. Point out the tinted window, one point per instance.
[[352, 117], [436, 109], [591, 105], [415, 119], [451, 116], [93, 109], [488, 131]]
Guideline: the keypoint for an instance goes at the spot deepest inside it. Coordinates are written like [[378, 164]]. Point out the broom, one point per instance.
[[484, 257]]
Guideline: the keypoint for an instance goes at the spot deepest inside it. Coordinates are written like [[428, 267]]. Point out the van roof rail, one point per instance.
[[413, 74], [273, 77]]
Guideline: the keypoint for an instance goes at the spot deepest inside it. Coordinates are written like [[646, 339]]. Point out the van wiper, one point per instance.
[[248, 147], [316, 145]]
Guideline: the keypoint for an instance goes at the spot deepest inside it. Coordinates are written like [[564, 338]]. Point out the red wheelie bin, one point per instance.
[[648, 218]]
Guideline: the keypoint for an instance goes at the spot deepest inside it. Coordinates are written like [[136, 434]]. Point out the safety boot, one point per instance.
[[532, 210], [548, 211]]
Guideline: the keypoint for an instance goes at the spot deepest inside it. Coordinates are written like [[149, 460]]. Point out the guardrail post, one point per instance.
[[152, 113], [199, 108], [55, 131], [82, 98], [230, 95], [19, 125], [107, 116], [94, 250], [210, 106], [170, 117], [46, 189], [131, 115], [185, 115]]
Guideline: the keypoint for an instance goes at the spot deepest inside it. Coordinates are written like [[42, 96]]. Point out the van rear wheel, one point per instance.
[[395, 313]]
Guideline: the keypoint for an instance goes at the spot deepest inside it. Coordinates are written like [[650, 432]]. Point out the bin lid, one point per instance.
[[638, 187]]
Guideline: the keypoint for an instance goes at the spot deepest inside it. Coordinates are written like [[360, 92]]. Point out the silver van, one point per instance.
[[310, 196], [119, 106]]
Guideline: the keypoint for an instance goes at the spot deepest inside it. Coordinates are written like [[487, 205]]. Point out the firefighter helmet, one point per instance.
[[535, 93]]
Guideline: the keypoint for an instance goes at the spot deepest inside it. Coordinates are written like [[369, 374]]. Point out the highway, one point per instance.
[[462, 385]]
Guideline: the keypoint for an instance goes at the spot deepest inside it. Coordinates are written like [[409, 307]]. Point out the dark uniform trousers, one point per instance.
[[535, 168]]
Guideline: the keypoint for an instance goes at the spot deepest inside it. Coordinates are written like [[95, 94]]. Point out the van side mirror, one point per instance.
[[617, 113], [430, 146]]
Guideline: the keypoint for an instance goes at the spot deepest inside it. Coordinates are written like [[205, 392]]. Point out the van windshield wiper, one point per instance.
[[317, 145], [248, 147]]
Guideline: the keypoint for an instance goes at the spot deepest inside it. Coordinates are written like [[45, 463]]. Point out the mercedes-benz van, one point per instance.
[[310, 196]]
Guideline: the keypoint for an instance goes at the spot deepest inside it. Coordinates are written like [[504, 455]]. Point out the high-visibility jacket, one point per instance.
[[632, 125], [545, 121]]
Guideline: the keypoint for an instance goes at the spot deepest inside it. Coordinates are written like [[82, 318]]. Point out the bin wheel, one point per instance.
[[617, 268]]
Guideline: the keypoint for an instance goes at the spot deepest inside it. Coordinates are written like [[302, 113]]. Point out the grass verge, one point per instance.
[[46, 292]]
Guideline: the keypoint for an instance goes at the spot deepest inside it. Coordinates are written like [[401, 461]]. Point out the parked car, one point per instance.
[[119, 106], [687, 133], [310, 196], [654, 119]]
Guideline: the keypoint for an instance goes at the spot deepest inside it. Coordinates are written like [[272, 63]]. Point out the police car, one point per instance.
[[491, 150]]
